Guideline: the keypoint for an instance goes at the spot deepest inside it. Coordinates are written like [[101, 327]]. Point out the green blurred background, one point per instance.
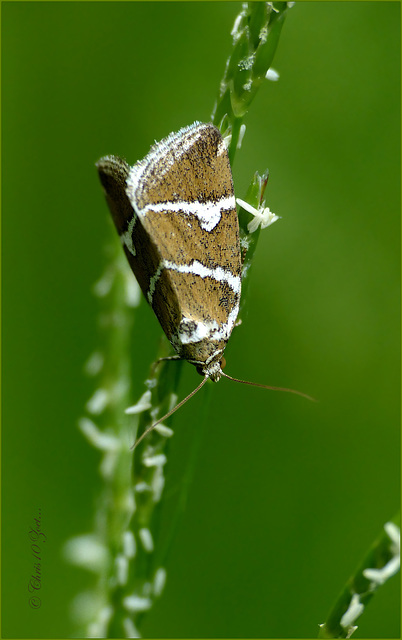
[[287, 495]]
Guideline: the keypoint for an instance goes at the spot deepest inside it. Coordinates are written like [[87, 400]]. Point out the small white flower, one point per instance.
[[159, 581], [158, 484], [227, 139], [99, 439], [172, 401], [87, 608], [94, 364], [121, 568], [86, 551], [394, 534], [272, 75], [354, 610], [154, 461], [377, 577], [98, 402], [241, 136], [142, 487], [130, 630], [133, 291], [102, 287], [136, 603], [262, 217], [107, 467], [143, 404], [146, 539], [164, 431], [129, 544]]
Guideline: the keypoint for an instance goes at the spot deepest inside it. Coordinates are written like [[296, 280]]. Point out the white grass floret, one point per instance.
[[154, 461], [241, 136], [143, 404], [129, 544], [263, 216], [158, 484], [136, 603], [376, 576], [100, 440], [272, 74], [121, 566], [142, 487], [146, 539], [159, 581], [98, 402], [354, 610], [164, 431], [86, 551], [94, 364], [130, 629]]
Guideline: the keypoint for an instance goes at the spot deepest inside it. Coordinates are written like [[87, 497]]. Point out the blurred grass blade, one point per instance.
[[382, 562]]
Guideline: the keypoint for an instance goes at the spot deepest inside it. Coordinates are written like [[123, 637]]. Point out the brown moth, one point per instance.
[[175, 213]]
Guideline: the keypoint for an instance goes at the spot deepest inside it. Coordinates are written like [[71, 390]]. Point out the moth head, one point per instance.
[[213, 370]]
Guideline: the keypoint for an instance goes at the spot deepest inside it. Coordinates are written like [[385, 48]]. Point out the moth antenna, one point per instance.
[[265, 386], [169, 413]]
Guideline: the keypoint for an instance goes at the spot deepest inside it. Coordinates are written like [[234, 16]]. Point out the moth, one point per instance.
[[175, 213]]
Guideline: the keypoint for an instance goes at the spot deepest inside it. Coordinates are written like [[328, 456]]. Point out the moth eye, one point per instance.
[[223, 363]]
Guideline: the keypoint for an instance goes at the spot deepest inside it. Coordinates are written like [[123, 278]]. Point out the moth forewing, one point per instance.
[[175, 213]]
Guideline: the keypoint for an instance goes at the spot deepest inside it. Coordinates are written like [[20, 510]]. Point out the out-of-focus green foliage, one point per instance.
[[288, 495]]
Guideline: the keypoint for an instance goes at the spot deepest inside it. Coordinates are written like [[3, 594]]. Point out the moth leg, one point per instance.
[[166, 358]]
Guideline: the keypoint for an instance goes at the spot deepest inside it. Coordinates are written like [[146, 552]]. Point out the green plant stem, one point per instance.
[[381, 562], [256, 33], [123, 551]]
